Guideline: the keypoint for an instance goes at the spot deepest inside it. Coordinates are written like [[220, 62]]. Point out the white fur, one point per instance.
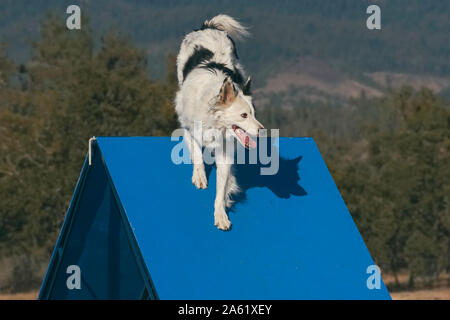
[[197, 99]]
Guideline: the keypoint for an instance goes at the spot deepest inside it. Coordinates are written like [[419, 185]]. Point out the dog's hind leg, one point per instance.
[[198, 175], [231, 188], [221, 220]]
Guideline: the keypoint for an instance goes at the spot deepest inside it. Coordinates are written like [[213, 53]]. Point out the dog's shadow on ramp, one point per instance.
[[284, 182]]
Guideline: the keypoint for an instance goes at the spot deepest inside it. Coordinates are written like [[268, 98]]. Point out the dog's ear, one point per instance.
[[247, 90], [227, 93]]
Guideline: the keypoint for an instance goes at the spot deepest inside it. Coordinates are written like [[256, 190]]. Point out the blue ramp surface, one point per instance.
[[292, 235]]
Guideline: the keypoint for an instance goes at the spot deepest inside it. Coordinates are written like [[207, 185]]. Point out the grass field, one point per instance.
[[19, 296], [434, 294]]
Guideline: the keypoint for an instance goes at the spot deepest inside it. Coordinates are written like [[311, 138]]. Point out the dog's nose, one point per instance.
[[259, 128]]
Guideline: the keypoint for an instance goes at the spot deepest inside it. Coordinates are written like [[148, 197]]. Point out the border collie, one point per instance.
[[215, 95]]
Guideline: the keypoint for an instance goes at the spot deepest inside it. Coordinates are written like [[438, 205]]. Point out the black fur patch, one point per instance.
[[246, 90], [234, 47], [200, 55], [235, 75], [205, 26]]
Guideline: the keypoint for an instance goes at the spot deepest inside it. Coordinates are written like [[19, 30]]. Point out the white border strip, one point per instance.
[[90, 149]]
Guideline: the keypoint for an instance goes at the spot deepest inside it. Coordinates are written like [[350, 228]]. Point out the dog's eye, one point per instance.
[[244, 115]]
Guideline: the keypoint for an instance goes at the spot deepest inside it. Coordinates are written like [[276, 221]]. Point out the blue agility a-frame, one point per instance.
[[138, 229]]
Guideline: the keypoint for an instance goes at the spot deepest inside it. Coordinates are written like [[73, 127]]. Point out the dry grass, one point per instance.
[[439, 290], [20, 296], [434, 294]]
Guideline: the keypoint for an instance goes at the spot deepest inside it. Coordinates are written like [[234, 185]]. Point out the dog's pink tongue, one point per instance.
[[245, 138]]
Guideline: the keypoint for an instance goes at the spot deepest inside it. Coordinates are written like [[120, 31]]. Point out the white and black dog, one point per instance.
[[213, 92]]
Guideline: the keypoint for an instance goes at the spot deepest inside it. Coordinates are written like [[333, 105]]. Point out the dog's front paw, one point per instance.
[[221, 221], [199, 177]]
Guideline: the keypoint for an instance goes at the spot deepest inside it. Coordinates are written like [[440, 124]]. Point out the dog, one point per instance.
[[215, 93]]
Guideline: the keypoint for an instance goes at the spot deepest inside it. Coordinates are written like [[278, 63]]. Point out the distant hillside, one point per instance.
[[316, 80], [414, 39]]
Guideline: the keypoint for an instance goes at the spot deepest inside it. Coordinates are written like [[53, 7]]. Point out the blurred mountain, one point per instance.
[[321, 47]]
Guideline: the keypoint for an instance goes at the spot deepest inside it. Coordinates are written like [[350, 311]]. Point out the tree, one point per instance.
[[66, 94], [399, 196]]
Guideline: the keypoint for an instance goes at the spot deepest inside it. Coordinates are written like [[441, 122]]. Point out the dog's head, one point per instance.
[[234, 110]]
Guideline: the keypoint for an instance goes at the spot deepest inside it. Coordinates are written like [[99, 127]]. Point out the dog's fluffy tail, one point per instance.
[[228, 24]]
